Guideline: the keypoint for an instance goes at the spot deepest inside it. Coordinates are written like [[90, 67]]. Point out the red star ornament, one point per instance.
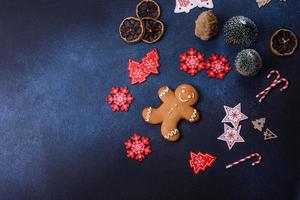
[[234, 115], [231, 136], [119, 99], [137, 147], [199, 161], [192, 62]]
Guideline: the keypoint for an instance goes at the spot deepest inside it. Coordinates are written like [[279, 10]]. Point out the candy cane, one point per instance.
[[277, 81], [246, 158], [263, 93], [286, 84]]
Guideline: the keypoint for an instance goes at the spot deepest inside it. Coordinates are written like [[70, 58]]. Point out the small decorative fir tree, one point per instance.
[[240, 31], [248, 62]]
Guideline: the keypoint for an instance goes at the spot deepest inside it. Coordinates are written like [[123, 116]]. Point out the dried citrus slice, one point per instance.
[[154, 29], [148, 8], [283, 42], [132, 30]]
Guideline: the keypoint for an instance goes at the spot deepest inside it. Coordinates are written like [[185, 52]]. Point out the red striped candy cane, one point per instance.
[[286, 84], [246, 158], [277, 81], [263, 93]]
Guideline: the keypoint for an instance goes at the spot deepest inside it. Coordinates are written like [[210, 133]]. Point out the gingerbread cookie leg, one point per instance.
[[169, 131], [191, 114], [152, 116]]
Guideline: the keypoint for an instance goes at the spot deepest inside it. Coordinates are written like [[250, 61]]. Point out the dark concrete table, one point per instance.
[[60, 140]]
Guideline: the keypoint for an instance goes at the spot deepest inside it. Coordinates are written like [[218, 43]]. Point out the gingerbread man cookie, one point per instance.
[[176, 106]]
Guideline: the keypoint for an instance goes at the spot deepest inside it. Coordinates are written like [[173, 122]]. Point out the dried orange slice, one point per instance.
[[148, 8], [132, 30], [154, 29], [283, 42]]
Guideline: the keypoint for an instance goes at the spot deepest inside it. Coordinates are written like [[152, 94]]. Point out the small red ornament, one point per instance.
[[217, 66], [138, 72], [150, 62], [119, 99], [199, 161], [192, 62], [137, 147]]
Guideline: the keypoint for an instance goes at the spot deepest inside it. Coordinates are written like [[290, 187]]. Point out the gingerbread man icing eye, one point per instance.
[[193, 95], [184, 98]]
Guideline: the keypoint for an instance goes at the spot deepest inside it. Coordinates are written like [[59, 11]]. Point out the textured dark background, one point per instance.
[[60, 140]]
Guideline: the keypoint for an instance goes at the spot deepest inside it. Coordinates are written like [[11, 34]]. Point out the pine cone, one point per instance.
[[206, 25]]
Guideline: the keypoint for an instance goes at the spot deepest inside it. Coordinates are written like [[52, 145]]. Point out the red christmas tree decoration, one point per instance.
[[192, 62], [199, 161], [137, 147], [119, 99], [150, 62], [138, 72], [217, 66]]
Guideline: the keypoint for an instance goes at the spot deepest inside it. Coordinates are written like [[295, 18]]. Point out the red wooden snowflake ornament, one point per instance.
[[137, 147], [119, 99], [199, 161], [192, 62], [217, 66]]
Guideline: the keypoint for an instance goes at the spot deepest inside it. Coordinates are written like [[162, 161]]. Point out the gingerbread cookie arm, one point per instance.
[[152, 116], [169, 131], [190, 114], [164, 93]]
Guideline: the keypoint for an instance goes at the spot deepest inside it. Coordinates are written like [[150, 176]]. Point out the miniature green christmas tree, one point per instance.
[[240, 31], [248, 62]]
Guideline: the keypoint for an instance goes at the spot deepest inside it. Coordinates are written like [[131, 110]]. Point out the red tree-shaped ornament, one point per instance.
[[200, 161]]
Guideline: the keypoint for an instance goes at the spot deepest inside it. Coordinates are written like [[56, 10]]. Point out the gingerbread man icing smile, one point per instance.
[[176, 106]]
